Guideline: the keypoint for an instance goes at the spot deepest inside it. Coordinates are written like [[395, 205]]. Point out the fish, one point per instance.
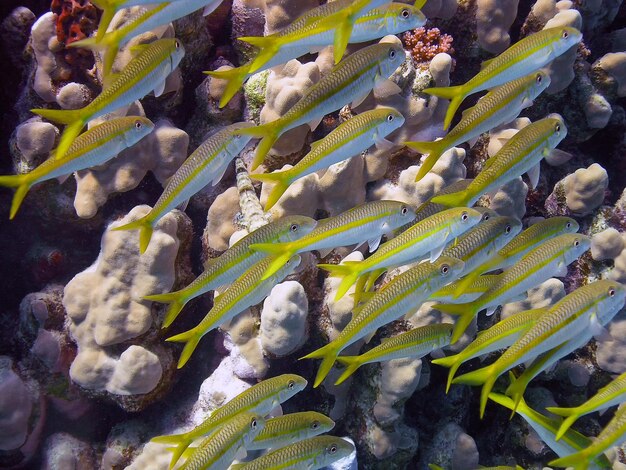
[[291, 428], [521, 154], [350, 138], [111, 7], [145, 72], [501, 335], [261, 398], [570, 316], [501, 105], [94, 147], [483, 241], [614, 393], [246, 291], [525, 56], [367, 222], [284, 45], [310, 454], [546, 428], [614, 433], [231, 264], [402, 295], [415, 343], [217, 451], [521, 245], [546, 261], [348, 82], [207, 164], [430, 235]]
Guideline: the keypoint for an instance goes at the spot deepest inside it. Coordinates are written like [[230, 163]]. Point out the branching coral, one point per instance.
[[424, 44]]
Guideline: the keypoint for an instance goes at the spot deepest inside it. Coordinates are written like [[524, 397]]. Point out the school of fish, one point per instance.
[[466, 259]]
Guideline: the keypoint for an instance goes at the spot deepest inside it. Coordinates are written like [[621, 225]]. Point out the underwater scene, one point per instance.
[[310, 234]]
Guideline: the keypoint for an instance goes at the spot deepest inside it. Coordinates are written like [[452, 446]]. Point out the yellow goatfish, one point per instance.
[[522, 58], [291, 428], [207, 164], [260, 399], [580, 310], [94, 147], [349, 139], [349, 82], [501, 105], [144, 73]]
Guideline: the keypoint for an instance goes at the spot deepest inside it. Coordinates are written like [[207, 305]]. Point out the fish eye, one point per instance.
[[253, 423], [291, 385], [565, 34], [332, 449], [568, 225], [294, 228], [445, 269], [611, 292], [576, 242], [507, 229], [464, 216], [177, 44], [557, 127], [539, 79], [138, 125], [390, 117], [486, 216], [392, 53], [315, 424], [405, 13], [404, 210]]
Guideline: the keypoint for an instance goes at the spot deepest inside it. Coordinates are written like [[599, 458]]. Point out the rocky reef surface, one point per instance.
[[86, 378]]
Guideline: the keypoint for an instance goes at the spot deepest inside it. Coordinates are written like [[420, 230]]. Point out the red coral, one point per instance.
[[424, 44], [76, 19]]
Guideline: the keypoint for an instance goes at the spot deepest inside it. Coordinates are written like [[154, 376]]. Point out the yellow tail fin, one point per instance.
[[451, 362], [144, 225], [191, 339], [268, 133], [23, 185], [352, 363], [328, 355], [181, 441], [234, 78], [486, 376], [459, 199], [281, 252], [465, 313], [570, 415], [434, 151], [176, 303], [456, 95], [281, 182], [348, 271]]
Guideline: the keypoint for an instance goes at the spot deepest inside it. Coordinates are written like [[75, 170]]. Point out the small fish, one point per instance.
[[521, 154], [522, 58], [614, 393], [546, 261], [501, 335], [402, 295], [349, 82], [614, 433], [246, 291], [144, 73], [366, 222], [94, 147], [310, 454], [501, 105], [218, 451], [521, 245], [231, 264], [415, 343], [572, 315], [349, 139], [546, 428], [260, 399], [284, 45], [291, 428], [483, 241], [207, 164], [430, 235]]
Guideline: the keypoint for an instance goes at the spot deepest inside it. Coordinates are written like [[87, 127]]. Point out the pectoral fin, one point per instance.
[[386, 88], [373, 243], [533, 175]]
